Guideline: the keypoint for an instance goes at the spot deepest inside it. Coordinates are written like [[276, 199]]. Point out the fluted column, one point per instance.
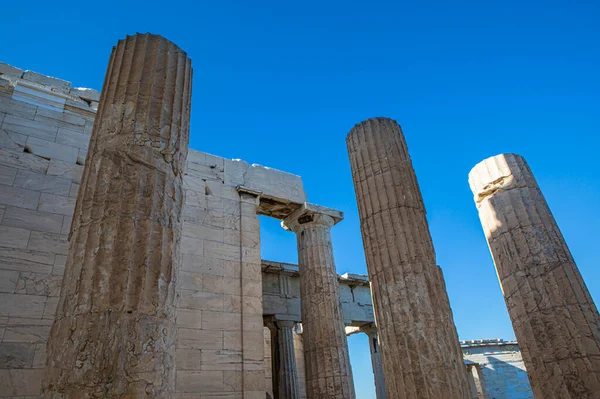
[[328, 372], [419, 345], [554, 317], [113, 334], [284, 370], [371, 332]]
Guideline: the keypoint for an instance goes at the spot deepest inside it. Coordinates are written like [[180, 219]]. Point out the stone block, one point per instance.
[[31, 219], [189, 318], [190, 281], [199, 381], [254, 381], [26, 329], [192, 246], [59, 265], [219, 250], [252, 345], [8, 281], [52, 150], [17, 108], [39, 96], [221, 284], [14, 237], [198, 339], [44, 80], [203, 232], [72, 138], [39, 358], [66, 225], [85, 93], [10, 70], [204, 172], [18, 305], [195, 197], [221, 321], [19, 383], [25, 260], [12, 141], [232, 303], [27, 127], [61, 119], [275, 184], [66, 170], [195, 156], [22, 160], [16, 355], [57, 204], [38, 284], [188, 359], [232, 380], [74, 190], [42, 182], [19, 197], [252, 322], [222, 360], [50, 308], [232, 340], [200, 300]]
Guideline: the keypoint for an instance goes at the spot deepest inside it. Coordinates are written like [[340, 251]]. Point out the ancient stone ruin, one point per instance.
[[130, 265], [554, 317]]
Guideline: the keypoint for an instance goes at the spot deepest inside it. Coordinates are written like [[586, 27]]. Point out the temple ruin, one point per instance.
[[130, 265]]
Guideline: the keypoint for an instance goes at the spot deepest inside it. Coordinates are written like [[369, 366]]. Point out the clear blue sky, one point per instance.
[[281, 84]]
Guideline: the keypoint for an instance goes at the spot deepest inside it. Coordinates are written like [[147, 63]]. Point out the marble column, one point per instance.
[[418, 340], [371, 332], [554, 317], [284, 359], [328, 372], [114, 330]]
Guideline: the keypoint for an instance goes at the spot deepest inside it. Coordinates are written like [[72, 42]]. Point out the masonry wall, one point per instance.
[[45, 126], [43, 142], [503, 369]]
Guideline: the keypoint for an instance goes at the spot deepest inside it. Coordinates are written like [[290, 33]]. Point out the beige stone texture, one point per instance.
[[328, 371], [283, 357], [419, 344], [114, 331], [554, 317]]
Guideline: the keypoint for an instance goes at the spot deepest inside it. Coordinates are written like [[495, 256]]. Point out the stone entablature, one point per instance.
[[281, 294]]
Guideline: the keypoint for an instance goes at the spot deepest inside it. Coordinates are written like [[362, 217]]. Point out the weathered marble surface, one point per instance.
[[114, 330], [419, 344], [328, 371], [554, 317]]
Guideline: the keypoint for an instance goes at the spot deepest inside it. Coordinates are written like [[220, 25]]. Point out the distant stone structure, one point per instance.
[[140, 275], [495, 369], [554, 317]]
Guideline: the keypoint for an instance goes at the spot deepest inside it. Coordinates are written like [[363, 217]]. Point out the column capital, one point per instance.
[[311, 215]]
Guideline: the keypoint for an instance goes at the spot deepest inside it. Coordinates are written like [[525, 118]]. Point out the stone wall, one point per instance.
[[504, 374], [45, 126]]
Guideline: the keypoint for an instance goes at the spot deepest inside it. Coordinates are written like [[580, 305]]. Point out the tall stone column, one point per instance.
[[419, 345], [328, 372], [376, 363], [113, 335], [555, 319], [284, 359]]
